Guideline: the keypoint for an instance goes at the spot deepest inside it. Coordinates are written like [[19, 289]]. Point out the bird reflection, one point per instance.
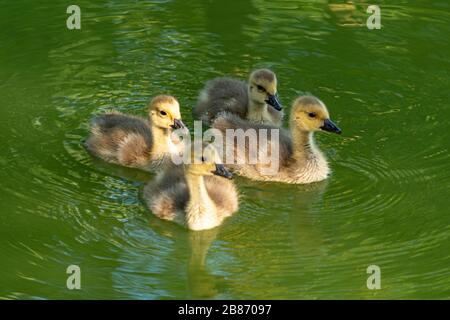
[[200, 282], [192, 249], [129, 174], [346, 14]]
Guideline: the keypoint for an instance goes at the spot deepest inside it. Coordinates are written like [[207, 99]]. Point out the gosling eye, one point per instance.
[[203, 159], [261, 88], [163, 113], [312, 114]]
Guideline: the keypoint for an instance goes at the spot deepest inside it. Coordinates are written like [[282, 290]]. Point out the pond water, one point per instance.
[[386, 203]]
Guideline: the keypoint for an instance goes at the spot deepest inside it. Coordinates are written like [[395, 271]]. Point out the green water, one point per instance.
[[387, 202]]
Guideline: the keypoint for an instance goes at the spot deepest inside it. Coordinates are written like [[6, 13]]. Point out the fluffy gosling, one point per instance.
[[196, 195], [256, 101], [136, 142], [299, 159]]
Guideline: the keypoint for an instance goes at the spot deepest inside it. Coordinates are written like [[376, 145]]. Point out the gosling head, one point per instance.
[[165, 112], [263, 88], [205, 161], [310, 114]]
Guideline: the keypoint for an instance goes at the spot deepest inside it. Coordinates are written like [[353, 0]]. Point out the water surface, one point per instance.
[[385, 204]]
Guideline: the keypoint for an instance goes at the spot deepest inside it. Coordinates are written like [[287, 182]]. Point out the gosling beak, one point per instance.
[[274, 102], [222, 171], [329, 126], [178, 124]]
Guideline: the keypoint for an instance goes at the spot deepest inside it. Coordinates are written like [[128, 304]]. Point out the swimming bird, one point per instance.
[[197, 195], [298, 159], [256, 101], [136, 142]]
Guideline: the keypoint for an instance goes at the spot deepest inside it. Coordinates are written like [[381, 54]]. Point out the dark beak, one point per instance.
[[274, 102], [329, 126], [178, 124], [222, 171]]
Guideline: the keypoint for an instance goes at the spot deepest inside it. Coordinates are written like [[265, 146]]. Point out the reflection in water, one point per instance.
[[201, 283], [183, 261], [121, 172], [282, 262], [346, 14], [305, 218]]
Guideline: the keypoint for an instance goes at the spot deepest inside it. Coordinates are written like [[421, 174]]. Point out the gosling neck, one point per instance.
[[201, 211], [256, 110], [310, 162], [197, 188], [304, 147], [161, 139]]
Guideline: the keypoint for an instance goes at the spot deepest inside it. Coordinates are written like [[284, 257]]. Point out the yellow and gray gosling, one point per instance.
[[299, 160], [196, 195], [256, 101], [136, 142]]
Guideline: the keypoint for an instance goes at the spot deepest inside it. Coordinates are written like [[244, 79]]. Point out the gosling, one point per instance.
[[196, 195], [256, 101], [136, 142], [299, 159]]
